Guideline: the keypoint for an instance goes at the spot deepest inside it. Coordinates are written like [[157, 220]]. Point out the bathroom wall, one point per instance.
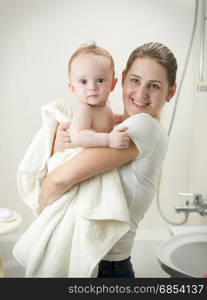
[[38, 37]]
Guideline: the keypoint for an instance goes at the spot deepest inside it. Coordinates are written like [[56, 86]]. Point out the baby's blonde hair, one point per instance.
[[91, 49]]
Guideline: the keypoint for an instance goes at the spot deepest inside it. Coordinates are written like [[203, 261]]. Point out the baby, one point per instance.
[[91, 75]]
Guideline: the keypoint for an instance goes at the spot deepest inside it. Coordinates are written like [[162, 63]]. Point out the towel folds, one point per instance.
[[71, 236]]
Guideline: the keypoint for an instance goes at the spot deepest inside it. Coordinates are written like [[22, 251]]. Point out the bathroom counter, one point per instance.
[[11, 224], [7, 226]]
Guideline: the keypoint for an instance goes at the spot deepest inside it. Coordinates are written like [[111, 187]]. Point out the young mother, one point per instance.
[[148, 82]]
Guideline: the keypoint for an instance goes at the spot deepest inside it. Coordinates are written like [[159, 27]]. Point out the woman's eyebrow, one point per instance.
[[151, 80], [137, 76]]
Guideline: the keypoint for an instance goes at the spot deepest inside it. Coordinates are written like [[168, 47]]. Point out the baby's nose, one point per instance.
[[93, 86]]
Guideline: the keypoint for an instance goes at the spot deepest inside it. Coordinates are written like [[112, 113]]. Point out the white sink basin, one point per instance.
[[184, 255]]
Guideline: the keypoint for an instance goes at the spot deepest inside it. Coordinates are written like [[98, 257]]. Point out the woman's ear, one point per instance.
[[123, 76], [171, 92]]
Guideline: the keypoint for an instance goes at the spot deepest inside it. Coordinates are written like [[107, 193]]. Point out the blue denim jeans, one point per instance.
[[115, 269]]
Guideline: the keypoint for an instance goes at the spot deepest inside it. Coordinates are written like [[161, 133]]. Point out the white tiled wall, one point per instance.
[[37, 38]]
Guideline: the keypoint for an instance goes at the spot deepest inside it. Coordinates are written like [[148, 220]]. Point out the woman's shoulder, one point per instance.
[[141, 122], [146, 132], [142, 117]]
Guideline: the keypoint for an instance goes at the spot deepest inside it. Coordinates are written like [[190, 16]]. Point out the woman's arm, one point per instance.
[[86, 164]]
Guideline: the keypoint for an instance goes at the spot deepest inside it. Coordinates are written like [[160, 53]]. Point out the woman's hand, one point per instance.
[[50, 184], [42, 200], [62, 138], [43, 197]]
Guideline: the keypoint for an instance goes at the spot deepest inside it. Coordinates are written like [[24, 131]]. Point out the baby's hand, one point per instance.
[[118, 138]]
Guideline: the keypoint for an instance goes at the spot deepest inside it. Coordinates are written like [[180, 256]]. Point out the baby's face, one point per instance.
[[92, 79]]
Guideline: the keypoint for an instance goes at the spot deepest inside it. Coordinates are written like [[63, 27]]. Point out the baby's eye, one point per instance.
[[100, 80], [83, 81]]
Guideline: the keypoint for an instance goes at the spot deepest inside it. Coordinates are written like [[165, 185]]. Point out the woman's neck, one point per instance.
[[125, 116]]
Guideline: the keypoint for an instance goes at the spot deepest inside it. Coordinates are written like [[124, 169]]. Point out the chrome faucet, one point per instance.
[[199, 204]]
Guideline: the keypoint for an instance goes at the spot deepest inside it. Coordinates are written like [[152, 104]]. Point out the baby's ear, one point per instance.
[[114, 82], [71, 87]]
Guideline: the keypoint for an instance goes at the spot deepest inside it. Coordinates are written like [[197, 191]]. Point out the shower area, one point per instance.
[[197, 202], [37, 39]]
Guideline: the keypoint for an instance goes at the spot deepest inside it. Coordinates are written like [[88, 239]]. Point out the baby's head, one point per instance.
[[91, 74]]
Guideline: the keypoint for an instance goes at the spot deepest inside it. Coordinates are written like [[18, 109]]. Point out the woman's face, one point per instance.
[[146, 88]]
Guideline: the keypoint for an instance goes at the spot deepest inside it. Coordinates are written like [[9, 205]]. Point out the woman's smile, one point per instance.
[[139, 104], [145, 88]]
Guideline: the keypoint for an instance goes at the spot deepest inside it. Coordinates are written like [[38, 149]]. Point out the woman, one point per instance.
[[148, 81]]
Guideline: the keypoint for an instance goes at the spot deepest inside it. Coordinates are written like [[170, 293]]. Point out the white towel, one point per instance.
[[71, 236]]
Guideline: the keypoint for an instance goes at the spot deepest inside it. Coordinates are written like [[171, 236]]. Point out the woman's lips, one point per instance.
[[139, 104]]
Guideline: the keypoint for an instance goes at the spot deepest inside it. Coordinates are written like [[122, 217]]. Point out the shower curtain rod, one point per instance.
[[204, 18]]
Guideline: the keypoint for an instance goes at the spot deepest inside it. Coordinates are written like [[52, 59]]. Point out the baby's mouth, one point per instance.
[[92, 96]]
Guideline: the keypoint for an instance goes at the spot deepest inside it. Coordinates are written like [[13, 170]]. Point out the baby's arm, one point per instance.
[[81, 132], [83, 135]]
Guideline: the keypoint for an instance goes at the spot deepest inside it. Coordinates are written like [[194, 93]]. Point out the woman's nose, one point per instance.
[[142, 92]]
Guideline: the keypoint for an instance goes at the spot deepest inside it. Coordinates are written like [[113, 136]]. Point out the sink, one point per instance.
[[184, 255]]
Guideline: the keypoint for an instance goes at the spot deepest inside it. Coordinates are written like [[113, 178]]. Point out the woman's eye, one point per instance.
[[136, 81], [154, 86]]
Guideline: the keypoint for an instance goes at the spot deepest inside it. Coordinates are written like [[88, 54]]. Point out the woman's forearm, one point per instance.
[[49, 193], [88, 163]]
